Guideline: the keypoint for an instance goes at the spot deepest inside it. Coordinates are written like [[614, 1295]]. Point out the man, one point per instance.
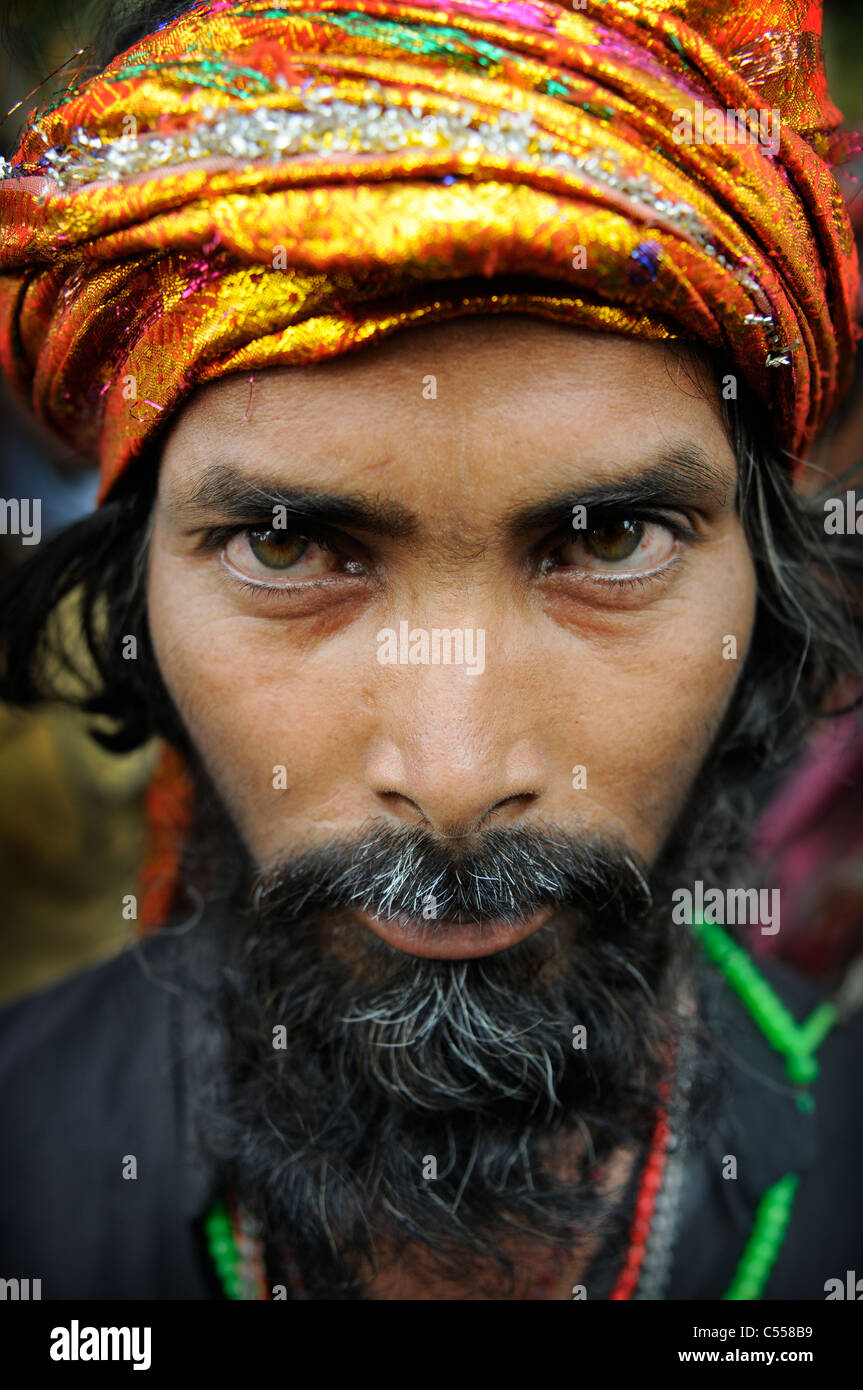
[[469, 645]]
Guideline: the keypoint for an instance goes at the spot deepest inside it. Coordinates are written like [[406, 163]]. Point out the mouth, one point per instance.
[[444, 940]]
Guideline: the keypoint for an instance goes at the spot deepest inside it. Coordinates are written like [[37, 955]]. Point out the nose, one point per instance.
[[453, 752]]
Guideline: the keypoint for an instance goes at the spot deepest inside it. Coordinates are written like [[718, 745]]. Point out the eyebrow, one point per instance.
[[234, 496], [685, 476]]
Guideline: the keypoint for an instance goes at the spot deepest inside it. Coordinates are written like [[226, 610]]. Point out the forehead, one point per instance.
[[483, 403]]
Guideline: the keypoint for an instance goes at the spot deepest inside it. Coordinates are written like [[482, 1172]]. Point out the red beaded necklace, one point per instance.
[[645, 1204]]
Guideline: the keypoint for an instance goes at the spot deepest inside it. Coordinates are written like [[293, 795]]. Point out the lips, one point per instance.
[[454, 940]]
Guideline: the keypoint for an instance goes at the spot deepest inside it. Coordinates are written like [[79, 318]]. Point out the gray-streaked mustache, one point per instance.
[[409, 873]]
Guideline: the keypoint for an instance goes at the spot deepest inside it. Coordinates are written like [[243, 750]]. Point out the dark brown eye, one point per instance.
[[277, 550], [269, 555], [612, 548], [616, 540]]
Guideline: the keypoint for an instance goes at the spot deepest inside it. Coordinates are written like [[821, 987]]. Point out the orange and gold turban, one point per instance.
[[263, 183]]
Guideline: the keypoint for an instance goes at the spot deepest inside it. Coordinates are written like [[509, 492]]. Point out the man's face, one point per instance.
[[563, 500]]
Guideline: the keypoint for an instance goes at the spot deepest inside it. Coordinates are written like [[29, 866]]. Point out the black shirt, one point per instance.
[[97, 1071]]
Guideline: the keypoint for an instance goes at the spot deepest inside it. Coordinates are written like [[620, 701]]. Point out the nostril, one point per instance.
[[398, 803], [518, 801]]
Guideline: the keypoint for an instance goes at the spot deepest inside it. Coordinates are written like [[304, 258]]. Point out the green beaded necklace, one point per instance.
[[796, 1042], [222, 1248]]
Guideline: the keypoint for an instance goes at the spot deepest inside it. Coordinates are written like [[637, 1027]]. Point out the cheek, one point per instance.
[[651, 704], [269, 715]]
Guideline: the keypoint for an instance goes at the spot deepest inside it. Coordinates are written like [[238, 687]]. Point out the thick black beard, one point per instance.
[[347, 1064]]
